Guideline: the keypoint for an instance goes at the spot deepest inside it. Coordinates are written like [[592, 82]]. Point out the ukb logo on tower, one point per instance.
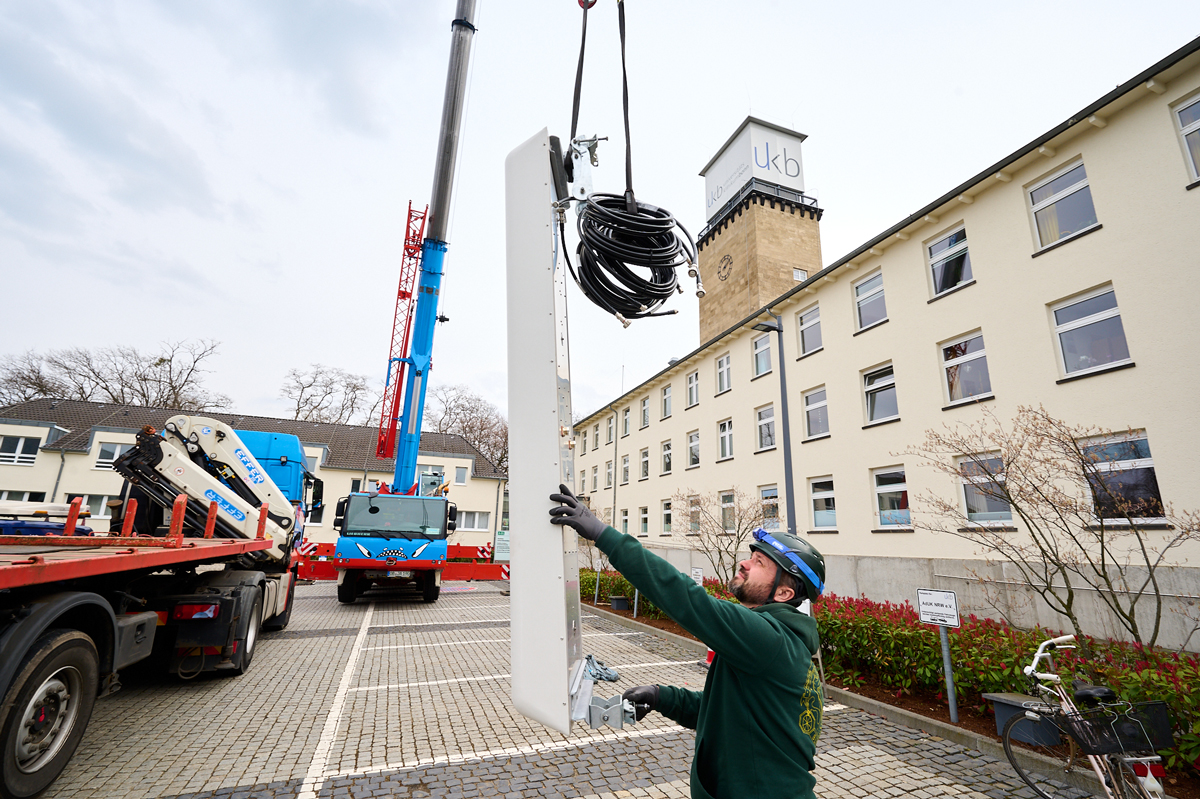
[[757, 150]]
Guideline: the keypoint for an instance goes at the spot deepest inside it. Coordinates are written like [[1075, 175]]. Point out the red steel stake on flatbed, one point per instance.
[[211, 522], [127, 522], [73, 516], [177, 513], [262, 522]]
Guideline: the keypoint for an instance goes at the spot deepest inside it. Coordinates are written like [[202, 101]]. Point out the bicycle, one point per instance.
[[1118, 739]]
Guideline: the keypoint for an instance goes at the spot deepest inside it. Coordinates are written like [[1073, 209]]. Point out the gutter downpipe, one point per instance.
[[62, 455]]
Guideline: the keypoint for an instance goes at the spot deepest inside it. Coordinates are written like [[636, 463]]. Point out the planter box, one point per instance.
[[1038, 733], [618, 602]]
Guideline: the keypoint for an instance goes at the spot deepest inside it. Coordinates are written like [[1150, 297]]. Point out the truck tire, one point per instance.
[[50, 702], [429, 587], [248, 642], [280, 620], [348, 588]]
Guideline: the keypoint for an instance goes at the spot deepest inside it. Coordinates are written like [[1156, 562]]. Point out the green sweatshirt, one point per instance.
[[759, 716]]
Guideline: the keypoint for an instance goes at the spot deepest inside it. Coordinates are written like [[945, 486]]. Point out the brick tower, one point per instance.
[[763, 233]]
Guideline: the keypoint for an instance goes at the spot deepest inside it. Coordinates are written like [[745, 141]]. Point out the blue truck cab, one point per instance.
[[390, 540], [282, 457]]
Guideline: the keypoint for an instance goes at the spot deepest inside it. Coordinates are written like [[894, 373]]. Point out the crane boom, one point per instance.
[[402, 324]]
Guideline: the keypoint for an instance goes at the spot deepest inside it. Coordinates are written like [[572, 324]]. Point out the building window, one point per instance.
[[982, 476], [666, 401], [625, 422], [504, 512], [693, 389], [355, 486], [880, 387], [596, 436], [809, 323], [724, 374], [799, 274], [766, 426], [109, 453], [762, 354], [645, 470], [625, 521], [460, 475], [868, 297], [816, 414], [645, 411], [949, 261], [611, 424], [666, 517], [1062, 205], [95, 504], [1189, 128], [666, 457], [473, 520], [583, 443], [820, 489], [769, 495], [624, 469], [1089, 332], [23, 496], [725, 437], [595, 478], [891, 498], [608, 474], [18, 450], [1121, 474], [694, 515], [583, 482], [964, 365], [728, 512], [694, 448], [644, 521]]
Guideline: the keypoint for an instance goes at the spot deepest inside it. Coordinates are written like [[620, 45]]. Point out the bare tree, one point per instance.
[[329, 395], [458, 410], [1088, 515], [172, 377], [721, 524]]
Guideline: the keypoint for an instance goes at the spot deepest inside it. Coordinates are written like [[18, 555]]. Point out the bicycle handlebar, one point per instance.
[[1062, 639]]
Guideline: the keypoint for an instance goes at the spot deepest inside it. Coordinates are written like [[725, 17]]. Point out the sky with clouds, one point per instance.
[[241, 171]]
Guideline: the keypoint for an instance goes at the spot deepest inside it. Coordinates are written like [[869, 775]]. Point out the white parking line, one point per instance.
[[403, 685], [512, 751], [316, 769], [477, 641], [437, 623]]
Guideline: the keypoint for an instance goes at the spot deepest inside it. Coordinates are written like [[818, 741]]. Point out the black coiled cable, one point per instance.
[[618, 234], [613, 243]]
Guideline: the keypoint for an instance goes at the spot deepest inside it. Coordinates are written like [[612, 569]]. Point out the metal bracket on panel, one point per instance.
[[583, 158], [615, 712]]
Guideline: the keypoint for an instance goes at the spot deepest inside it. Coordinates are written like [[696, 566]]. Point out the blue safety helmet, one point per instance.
[[795, 556]]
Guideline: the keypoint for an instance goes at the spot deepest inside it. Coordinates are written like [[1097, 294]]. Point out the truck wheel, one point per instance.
[[429, 588], [280, 620], [348, 588], [50, 702], [248, 643]]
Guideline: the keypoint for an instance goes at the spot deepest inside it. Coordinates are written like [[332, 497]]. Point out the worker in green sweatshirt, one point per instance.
[[759, 716]]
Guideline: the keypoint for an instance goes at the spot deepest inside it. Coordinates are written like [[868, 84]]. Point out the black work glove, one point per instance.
[[574, 513], [644, 698]]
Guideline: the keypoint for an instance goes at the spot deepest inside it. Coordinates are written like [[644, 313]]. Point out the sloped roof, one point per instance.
[[349, 446]]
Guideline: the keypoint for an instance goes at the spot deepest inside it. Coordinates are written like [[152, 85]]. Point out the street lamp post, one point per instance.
[[789, 499]]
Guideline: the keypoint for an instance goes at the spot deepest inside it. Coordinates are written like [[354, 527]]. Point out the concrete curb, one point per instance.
[[633, 624]]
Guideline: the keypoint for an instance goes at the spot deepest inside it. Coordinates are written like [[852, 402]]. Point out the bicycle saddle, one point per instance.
[[1092, 694]]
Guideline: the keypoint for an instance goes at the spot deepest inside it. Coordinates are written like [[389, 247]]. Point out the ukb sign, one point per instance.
[[756, 150]]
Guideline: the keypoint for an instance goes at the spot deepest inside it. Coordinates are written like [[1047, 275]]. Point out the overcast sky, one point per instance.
[[241, 170]]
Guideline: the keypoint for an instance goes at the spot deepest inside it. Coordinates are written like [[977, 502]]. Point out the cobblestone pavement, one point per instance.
[[394, 697]]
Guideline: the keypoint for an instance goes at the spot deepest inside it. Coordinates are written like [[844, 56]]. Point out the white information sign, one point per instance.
[[698, 575], [500, 553], [938, 607]]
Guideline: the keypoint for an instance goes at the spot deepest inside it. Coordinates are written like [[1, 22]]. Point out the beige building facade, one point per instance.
[[56, 450], [1062, 276]]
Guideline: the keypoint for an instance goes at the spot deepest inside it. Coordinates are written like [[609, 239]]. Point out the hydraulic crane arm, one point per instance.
[[206, 460]]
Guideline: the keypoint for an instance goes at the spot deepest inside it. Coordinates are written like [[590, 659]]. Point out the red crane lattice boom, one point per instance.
[[414, 236]]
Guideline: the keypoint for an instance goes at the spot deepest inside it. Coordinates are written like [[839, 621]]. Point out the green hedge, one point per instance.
[[860, 637]]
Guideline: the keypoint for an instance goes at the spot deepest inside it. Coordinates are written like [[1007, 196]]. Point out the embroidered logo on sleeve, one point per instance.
[[810, 717]]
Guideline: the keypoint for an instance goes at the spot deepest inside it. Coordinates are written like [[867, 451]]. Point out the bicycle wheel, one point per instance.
[[1043, 756], [1129, 785]]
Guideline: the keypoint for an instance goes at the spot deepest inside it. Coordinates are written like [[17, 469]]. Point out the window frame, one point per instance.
[[1126, 465], [760, 347], [979, 479], [877, 490], [760, 424], [799, 275], [665, 460], [765, 501], [725, 439], [466, 475], [727, 500], [625, 414], [106, 464], [1074, 188], [19, 457], [961, 359], [643, 521], [24, 495], [859, 300], [1191, 159], [869, 390], [596, 477], [724, 373], [105, 511], [608, 474], [813, 406], [624, 470], [612, 426], [693, 389], [665, 518], [644, 464], [1076, 324], [933, 261], [475, 515], [693, 439], [665, 397], [802, 326], [625, 521], [814, 495], [645, 413]]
